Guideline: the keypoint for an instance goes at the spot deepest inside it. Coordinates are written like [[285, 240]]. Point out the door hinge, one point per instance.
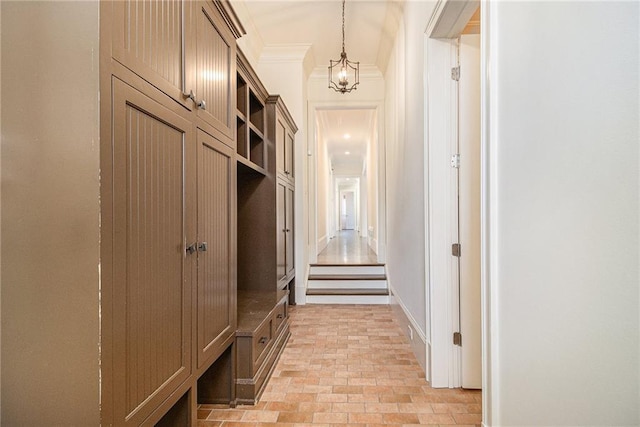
[[455, 73], [457, 339], [455, 161], [456, 249]]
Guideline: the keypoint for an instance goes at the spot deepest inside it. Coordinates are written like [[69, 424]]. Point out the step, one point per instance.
[[347, 277], [341, 269], [347, 299], [348, 291], [321, 283]]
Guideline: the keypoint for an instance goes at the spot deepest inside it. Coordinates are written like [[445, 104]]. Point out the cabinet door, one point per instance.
[[148, 322], [215, 72], [289, 230], [151, 38], [281, 136], [281, 230], [289, 155], [215, 246]]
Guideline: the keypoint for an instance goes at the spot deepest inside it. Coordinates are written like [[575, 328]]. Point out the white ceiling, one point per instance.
[[319, 24], [334, 125]]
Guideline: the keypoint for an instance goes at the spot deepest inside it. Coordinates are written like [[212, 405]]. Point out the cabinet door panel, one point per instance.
[[289, 230], [281, 267], [289, 153], [216, 277], [281, 135], [216, 71], [150, 39], [151, 285]]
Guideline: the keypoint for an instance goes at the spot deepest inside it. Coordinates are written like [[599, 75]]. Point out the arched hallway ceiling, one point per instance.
[[359, 125], [370, 27]]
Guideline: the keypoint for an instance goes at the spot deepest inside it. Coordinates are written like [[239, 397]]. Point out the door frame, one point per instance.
[[441, 227]]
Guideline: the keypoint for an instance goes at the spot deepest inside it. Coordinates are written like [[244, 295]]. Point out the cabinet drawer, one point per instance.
[[280, 314], [261, 341]]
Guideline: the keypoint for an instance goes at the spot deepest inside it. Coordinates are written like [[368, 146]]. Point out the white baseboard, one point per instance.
[[373, 244], [416, 336], [322, 243]]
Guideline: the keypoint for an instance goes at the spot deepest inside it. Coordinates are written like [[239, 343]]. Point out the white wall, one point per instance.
[[324, 189], [50, 213], [405, 135], [564, 212], [371, 195]]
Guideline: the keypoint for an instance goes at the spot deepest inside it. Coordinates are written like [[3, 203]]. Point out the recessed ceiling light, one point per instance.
[[347, 136], [346, 152]]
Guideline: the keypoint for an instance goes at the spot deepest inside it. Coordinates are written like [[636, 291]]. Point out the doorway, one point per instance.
[[346, 190], [453, 179], [347, 210]]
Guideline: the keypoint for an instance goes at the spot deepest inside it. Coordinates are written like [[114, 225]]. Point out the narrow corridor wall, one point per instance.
[[50, 213], [405, 138], [564, 209]]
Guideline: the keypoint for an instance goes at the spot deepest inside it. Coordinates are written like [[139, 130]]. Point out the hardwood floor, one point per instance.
[[347, 247], [348, 365]]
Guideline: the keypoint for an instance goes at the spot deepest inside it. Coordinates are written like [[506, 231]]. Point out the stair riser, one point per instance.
[[331, 270], [347, 299], [349, 284]]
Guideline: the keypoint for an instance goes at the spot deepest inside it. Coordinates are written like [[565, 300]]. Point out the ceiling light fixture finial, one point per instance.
[[344, 69]]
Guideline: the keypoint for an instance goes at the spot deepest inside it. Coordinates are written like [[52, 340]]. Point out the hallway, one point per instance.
[[348, 365], [347, 247]]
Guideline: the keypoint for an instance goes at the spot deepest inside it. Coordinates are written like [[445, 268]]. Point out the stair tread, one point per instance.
[[373, 264], [344, 291], [347, 277]]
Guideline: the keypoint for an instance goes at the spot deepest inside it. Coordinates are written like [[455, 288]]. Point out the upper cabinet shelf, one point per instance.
[[251, 98]]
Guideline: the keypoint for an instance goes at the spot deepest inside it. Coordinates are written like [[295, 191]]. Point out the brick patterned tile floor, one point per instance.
[[348, 365]]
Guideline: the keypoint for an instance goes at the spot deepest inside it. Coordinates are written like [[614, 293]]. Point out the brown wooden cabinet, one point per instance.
[[215, 247], [283, 133], [263, 262], [185, 49], [146, 278], [215, 73], [168, 209]]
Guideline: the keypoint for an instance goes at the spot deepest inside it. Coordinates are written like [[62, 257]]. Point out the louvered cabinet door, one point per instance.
[[216, 246], [153, 39], [148, 324], [215, 69]]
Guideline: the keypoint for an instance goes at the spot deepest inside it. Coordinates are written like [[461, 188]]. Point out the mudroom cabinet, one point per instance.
[[168, 192], [263, 295]]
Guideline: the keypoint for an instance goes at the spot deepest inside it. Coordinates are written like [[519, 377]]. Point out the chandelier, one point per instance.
[[342, 71]]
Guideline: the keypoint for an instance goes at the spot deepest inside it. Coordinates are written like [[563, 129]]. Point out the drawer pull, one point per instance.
[[280, 316], [263, 340]]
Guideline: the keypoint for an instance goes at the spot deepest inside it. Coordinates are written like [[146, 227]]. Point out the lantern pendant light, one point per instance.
[[344, 75]]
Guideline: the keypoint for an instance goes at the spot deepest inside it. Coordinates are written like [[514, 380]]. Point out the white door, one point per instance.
[[348, 210], [469, 210]]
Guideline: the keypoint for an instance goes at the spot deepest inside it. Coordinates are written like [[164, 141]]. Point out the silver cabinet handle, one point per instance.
[[191, 248], [200, 104], [189, 95], [263, 340], [202, 247]]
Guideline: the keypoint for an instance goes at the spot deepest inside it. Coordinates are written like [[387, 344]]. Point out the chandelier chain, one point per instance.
[[343, 1]]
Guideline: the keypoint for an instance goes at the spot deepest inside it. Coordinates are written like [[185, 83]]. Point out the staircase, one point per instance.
[[347, 284]]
